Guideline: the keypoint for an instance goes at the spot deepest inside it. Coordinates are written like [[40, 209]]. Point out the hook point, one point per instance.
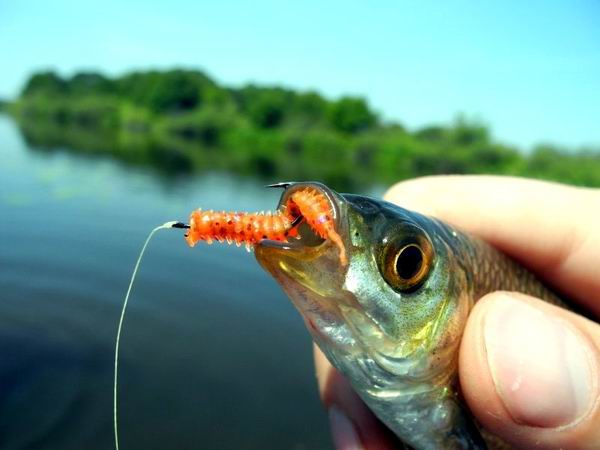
[[283, 185]]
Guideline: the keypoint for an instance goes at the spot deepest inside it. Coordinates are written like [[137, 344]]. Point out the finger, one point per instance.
[[550, 228], [529, 372], [353, 425]]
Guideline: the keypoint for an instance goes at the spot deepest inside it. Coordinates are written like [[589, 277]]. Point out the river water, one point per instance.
[[213, 354]]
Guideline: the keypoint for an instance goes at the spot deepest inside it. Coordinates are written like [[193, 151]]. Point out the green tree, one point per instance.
[[90, 83], [45, 83], [265, 107], [176, 90], [350, 115], [165, 92], [465, 132], [431, 133], [310, 106]]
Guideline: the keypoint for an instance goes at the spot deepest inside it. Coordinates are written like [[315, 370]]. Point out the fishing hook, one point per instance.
[[282, 184]]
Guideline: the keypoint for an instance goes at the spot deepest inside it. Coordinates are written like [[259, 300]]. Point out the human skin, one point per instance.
[[529, 371]]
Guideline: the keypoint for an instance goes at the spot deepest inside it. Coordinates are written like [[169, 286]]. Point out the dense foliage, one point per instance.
[[184, 120]]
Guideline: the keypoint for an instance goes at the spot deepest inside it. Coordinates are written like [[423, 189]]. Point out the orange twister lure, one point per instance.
[[240, 228]]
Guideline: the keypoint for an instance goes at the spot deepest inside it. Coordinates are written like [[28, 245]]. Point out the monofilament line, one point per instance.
[[125, 302]]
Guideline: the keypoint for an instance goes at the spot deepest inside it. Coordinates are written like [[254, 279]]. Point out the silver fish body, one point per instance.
[[392, 319]]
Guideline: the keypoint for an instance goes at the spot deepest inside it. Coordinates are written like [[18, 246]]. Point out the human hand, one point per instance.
[[529, 371]]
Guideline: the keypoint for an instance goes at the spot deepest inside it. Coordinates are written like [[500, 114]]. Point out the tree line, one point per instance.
[[187, 117]]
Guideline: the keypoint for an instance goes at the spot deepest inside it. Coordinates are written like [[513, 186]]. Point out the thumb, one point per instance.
[[530, 372]]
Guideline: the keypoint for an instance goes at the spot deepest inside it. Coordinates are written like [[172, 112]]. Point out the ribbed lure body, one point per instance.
[[238, 227], [304, 205]]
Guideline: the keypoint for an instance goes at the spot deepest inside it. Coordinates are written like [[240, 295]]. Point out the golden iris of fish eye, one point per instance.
[[393, 260]]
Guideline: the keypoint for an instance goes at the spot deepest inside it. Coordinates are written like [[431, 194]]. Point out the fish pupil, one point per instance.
[[409, 262]]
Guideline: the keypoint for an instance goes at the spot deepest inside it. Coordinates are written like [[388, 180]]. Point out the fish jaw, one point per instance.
[[311, 274]]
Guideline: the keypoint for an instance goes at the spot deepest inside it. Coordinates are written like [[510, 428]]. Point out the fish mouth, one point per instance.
[[308, 242], [308, 267]]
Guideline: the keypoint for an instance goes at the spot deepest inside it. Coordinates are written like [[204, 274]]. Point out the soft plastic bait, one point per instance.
[[239, 227], [307, 205]]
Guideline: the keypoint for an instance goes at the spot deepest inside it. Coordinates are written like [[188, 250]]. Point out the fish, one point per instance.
[[391, 318]]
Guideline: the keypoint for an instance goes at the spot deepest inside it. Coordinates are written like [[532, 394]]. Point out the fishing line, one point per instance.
[[121, 319]]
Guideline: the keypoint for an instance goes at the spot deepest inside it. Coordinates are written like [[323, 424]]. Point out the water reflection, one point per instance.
[[177, 154]]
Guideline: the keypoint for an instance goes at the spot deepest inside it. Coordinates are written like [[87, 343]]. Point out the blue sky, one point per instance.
[[531, 70]]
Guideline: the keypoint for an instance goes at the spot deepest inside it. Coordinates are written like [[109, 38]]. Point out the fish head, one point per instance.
[[395, 312]]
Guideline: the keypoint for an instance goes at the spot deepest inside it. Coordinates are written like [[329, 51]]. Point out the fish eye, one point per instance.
[[407, 262]]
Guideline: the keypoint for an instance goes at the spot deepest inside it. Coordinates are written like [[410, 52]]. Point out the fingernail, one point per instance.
[[343, 431], [542, 369]]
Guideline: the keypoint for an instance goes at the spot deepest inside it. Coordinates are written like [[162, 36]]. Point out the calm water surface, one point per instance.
[[213, 354]]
